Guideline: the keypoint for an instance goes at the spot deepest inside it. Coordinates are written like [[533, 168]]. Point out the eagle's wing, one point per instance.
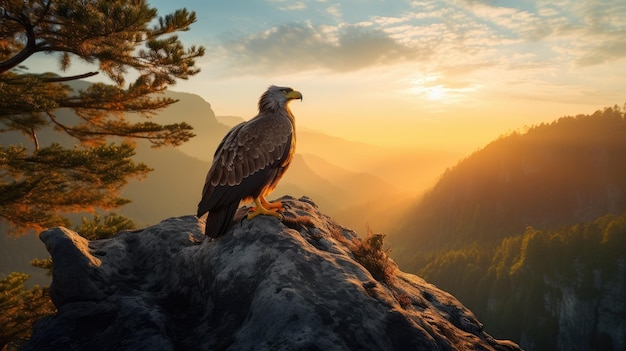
[[246, 161]]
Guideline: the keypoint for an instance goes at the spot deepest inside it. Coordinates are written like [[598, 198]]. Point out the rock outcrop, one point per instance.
[[265, 285]]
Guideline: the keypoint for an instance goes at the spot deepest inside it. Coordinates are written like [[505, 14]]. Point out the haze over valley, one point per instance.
[[359, 184]]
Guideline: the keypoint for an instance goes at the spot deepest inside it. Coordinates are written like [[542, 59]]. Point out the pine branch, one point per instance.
[[29, 48], [69, 78]]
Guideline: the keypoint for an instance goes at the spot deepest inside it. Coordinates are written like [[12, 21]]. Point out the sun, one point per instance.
[[428, 87], [436, 93], [439, 90]]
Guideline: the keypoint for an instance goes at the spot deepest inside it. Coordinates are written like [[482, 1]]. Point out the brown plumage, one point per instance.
[[250, 161]]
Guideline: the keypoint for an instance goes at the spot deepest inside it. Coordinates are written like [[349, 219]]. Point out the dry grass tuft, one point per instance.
[[298, 222], [374, 257]]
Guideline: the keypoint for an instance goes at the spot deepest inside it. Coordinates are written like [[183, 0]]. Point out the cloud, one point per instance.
[[514, 22], [435, 36], [295, 6], [603, 36], [563, 32], [613, 47], [285, 5], [334, 10], [298, 47]]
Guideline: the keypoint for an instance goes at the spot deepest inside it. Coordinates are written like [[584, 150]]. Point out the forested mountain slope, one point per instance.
[[556, 174], [530, 233]]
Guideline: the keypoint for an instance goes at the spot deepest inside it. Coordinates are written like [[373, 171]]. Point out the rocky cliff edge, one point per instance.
[[267, 284]]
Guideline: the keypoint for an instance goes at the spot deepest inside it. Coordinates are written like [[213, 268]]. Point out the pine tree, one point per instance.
[[122, 38], [20, 307]]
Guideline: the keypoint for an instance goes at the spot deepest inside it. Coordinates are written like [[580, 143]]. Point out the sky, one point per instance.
[[423, 74]]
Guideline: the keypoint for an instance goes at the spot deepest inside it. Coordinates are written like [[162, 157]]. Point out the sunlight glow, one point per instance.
[[435, 88], [436, 93]]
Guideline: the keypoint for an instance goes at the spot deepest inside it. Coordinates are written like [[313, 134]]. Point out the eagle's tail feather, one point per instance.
[[218, 221]]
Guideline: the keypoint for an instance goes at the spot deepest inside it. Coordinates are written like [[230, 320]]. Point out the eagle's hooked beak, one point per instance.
[[294, 94]]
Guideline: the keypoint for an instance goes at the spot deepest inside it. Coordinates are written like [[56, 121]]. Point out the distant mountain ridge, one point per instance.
[[327, 168], [350, 186]]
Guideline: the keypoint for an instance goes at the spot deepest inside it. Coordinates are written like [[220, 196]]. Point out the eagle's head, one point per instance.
[[276, 98]]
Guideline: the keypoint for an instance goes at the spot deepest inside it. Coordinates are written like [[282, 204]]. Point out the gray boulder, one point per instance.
[[265, 285]]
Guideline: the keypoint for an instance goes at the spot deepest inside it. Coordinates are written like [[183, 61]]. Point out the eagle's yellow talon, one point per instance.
[[271, 205], [261, 210]]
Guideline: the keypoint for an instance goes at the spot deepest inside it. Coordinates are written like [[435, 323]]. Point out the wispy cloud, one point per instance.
[[285, 5], [439, 34], [600, 30], [334, 10], [299, 47]]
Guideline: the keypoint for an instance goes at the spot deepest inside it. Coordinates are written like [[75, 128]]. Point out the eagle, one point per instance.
[[250, 161]]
